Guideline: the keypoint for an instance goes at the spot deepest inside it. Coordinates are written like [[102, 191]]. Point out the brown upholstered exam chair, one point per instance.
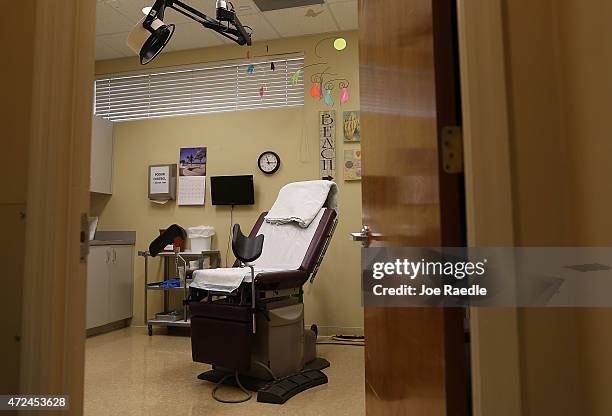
[[271, 353]]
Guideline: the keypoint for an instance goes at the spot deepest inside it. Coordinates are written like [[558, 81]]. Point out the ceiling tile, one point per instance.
[[262, 30], [115, 18], [193, 36], [203, 6], [103, 51], [345, 13], [245, 7], [108, 20], [294, 22], [117, 42], [132, 9]]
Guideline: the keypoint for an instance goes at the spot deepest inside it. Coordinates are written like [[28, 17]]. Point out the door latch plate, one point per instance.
[[84, 238]]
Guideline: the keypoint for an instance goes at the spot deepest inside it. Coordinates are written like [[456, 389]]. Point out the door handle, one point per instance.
[[114, 256], [107, 256], [364, 236]]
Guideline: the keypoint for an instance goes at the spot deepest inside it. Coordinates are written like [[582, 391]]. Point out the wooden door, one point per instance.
[[414, 358], [57, 136]]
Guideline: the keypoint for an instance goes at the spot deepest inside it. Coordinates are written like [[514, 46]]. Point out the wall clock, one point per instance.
[[269, 162]]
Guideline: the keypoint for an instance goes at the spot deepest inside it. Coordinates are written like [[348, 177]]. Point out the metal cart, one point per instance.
[[214, 257]]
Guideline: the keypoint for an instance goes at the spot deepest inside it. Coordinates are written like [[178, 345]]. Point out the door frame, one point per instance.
[[490, 222], [53, 302], [61, 321]]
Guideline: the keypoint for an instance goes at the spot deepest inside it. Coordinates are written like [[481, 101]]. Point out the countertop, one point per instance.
[[114, 238]]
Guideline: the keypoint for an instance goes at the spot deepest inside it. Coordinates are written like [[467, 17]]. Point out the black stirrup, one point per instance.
[[171, 235], [246, 249]]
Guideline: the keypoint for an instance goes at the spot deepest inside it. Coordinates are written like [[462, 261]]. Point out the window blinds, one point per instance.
[[200, 90]]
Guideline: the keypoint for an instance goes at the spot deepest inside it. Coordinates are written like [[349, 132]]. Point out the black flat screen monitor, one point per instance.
[[232, 190]]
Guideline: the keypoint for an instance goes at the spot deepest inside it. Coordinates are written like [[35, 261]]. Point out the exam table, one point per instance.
[[247, 321]]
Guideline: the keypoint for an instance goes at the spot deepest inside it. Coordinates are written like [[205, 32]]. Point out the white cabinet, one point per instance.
[[101, 173], [97, 286], [109, 284], [121, 283]]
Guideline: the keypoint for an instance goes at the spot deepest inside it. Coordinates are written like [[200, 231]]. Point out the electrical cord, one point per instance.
[[348, 338], [352, 344], [353, 340], [229, 240], [220, 383], [268, 369]]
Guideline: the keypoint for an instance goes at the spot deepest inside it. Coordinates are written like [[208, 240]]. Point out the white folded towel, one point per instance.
[[223, 280], [300, 202]]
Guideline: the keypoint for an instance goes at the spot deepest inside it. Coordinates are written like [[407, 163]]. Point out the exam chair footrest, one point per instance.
[[279, 391], [317, 364]]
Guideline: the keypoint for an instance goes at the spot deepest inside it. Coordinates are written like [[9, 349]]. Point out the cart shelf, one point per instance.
[[214, 257]]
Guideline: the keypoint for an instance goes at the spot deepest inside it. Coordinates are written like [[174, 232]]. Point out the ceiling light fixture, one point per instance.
[[151, 35]]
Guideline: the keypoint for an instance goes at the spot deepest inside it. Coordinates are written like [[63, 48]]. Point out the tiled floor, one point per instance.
[[129, 373]]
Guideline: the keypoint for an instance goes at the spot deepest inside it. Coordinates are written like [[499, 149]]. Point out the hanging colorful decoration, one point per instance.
[[315, 92], [339, 44], [251, 69], [316, 89], [262, 91], [344, 95], [272, 66], [328, 99], [295, 77], [320, 87]]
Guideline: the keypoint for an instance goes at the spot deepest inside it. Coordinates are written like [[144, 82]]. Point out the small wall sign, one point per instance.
[[327, 137], [162, 182]]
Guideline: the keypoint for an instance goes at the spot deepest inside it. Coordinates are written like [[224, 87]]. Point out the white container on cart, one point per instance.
[[200, 237]]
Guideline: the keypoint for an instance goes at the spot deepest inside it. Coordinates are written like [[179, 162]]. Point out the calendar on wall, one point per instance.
[[192, 176], [192, 190]]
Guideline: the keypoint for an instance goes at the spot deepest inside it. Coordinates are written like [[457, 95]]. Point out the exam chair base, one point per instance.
[[281, 390]]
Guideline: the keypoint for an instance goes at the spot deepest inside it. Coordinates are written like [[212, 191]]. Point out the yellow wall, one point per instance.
[[234, 141]]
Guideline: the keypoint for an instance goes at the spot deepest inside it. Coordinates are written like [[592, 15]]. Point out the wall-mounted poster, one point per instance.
[[351, 126], [193, 161], [192, 176], [352, 165], [327, 138]]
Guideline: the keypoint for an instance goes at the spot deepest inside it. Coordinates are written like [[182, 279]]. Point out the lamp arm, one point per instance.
[[238, 35], [157, 12]]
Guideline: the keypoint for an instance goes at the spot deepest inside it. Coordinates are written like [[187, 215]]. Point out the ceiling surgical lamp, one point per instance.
[[151, 34]]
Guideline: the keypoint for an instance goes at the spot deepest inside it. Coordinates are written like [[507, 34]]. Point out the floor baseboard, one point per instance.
[[339, 330]]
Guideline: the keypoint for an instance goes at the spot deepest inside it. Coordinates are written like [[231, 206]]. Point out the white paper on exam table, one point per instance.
[[285, 247]]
